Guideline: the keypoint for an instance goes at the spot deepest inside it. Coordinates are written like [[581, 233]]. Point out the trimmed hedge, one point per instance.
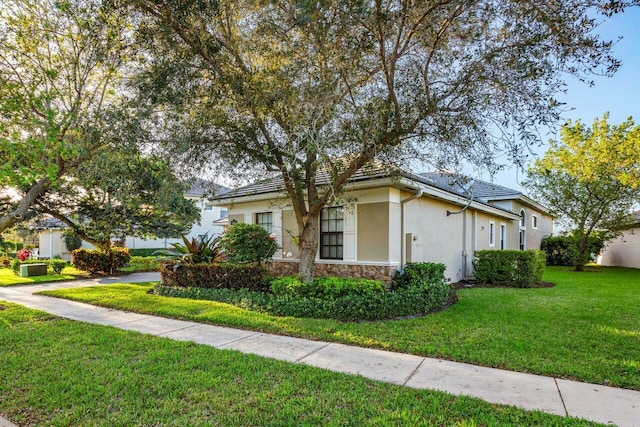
[[144, 263], [97, 261], [417, 273], [563, 250], [325, 287], [423, 289], [144, 252], [413, 300], [521, 269], [230, 276]]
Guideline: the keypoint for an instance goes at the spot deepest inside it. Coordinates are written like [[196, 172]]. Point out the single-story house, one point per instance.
[[624, 251], [51, 230], [395, 217]]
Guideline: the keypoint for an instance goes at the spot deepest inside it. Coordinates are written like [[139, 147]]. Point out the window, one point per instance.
[[503, 236], [208, 207], [523, 230], [331, 233], [492, 234], [223, 213], [534, 221], [265, 219]]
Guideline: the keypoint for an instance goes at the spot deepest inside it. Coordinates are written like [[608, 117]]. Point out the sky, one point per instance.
[[619, 95]]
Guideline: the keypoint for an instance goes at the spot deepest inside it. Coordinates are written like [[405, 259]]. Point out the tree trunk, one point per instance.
[[308, 247], [582, 248]]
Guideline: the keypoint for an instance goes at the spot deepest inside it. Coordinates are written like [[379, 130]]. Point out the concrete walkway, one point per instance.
[[532, 392]]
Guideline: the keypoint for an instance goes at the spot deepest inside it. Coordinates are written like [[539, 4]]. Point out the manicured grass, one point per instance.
[[585, 328], [8, 278], [61, 372]]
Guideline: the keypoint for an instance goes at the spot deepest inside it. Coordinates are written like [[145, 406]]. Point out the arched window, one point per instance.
[[523, 230]]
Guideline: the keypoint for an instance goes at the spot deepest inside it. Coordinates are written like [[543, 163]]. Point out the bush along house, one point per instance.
[[390, 217]]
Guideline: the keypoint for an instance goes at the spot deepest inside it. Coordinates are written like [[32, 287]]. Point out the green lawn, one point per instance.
[[61, 372], [8, 278], [585, 328]]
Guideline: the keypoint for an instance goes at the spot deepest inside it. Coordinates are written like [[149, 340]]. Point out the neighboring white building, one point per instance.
[[624, 251], [52, 243]]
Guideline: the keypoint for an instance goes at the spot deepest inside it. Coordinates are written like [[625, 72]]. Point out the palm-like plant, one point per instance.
[[194, 251]]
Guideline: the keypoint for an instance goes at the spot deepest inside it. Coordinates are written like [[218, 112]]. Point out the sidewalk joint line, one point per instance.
[[312, 352], [236, 340], [555, 380], [176, 330], [414, 371]]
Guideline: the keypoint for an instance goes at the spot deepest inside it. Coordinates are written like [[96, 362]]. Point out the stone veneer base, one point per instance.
[[384, 273]]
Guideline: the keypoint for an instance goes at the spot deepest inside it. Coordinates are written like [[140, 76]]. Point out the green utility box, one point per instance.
[[27, 270]]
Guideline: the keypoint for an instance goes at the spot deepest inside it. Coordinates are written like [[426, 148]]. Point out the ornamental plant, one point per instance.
[[24, 254], [193, 251], [247, 243]]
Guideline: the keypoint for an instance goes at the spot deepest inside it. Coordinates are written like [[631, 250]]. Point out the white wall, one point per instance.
[[623, 251]]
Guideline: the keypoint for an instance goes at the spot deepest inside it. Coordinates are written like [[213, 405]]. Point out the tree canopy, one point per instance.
[[590, 178], [302, 88], [71, 131]]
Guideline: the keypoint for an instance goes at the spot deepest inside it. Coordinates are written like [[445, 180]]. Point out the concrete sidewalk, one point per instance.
[[533, 392]]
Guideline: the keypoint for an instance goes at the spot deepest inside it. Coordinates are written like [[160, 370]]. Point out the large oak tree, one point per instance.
[[305, 88], [70, 130]]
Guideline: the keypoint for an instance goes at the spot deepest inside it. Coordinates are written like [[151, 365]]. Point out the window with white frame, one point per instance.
[[223, 213], [265, 219], [534, 221], [523, 230], [492, 234], [332, 233], [503, 236]]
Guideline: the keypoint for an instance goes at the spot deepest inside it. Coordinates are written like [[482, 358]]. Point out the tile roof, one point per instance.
[[452, 183], [202, 187]]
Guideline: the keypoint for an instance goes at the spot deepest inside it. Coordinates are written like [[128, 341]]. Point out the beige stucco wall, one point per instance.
[[534, 236], [373, 231], [436, 237], [289, 233], [623, 251]]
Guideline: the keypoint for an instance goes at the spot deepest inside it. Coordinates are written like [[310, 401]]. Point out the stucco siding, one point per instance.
[[289, 233], [435, 237], [533, 236], [373, 232], [623, 251]]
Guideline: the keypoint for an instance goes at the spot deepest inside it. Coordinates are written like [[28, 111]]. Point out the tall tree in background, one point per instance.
[[70, 131], [590, 179], [307, 88]]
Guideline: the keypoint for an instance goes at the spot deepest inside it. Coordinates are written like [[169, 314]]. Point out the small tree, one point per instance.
[[589, 179], [245, 243]]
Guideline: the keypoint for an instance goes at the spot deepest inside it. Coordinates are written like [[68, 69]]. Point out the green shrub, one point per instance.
[[416, 273], [247, 243], [97, 261], [325, 287], [563, 250], [193, 251], [514, 268], [144, 252], [144, 263], [223, 275], [409, 301], [71, 241], [57, 265]]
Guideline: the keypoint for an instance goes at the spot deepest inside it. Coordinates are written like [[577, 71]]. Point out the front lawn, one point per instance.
[[8, 278], [62, 372], [585, 328]]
